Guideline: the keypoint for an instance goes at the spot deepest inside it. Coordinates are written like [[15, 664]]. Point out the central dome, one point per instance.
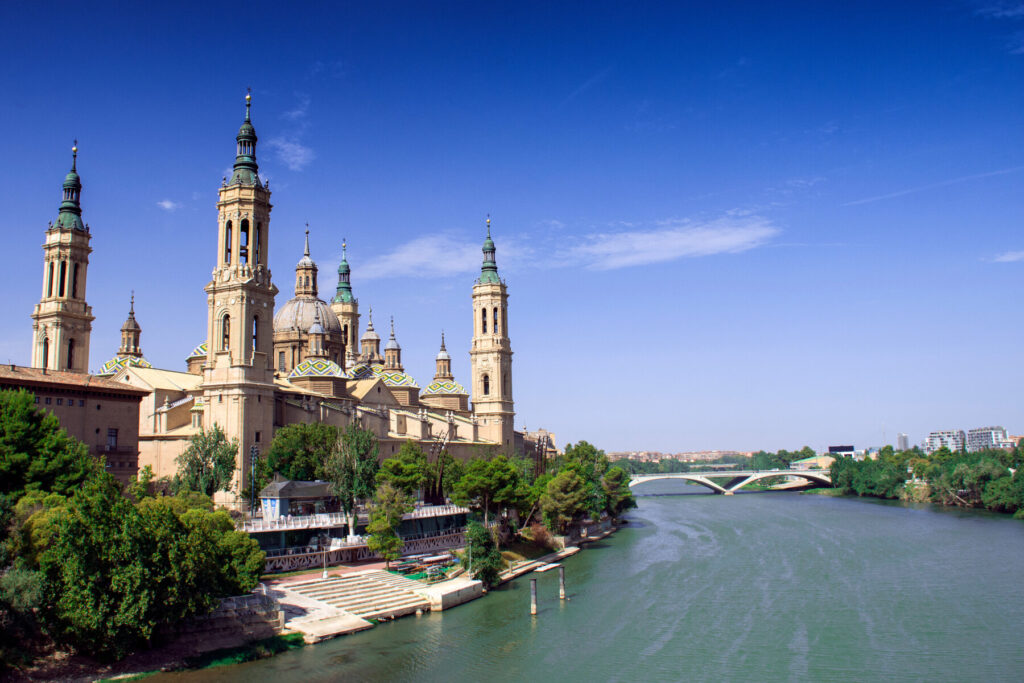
[[300, 312]]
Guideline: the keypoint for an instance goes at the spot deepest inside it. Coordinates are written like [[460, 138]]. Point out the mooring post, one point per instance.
[[533, 597], [561, 583]]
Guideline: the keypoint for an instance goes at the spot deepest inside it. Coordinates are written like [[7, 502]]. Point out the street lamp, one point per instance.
[[254, 454]]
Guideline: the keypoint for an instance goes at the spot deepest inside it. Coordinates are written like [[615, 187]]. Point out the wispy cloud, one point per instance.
[[292, 153], [438, 255], [585, 86], [300, 110], [1003, 9], [679, 239], [932, 186], [168, 205], [1009, 257]]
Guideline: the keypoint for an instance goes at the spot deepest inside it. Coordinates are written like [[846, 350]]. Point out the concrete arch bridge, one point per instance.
[[737, 479]]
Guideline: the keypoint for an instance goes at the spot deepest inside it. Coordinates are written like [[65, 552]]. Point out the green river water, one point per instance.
[[753, 587]]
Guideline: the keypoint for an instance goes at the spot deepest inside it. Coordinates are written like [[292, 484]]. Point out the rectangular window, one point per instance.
[[60, 401], [37, 399], [111, 438], [81, 403], [280, 361], [48, 400], [257, 437]]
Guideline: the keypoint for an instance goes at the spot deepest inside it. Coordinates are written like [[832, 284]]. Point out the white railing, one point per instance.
[[324, 520]]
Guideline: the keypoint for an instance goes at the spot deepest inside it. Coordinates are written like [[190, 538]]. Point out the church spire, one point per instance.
[[489, 271], [344, 291], [246, 171], [131, 332], [70, 215], [306, 272], [392, 351]]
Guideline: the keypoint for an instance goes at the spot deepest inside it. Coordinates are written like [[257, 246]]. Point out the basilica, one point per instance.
[[258, 370]]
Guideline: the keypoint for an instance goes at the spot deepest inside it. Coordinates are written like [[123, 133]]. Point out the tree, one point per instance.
[[566, 497], [351, 468], [481, 557], [406, 470], [385, 519], [35, 453], [488, 485], [617, 495], [208, 464], [297, 452]]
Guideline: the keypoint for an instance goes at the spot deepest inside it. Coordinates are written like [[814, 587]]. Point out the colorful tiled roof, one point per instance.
[[199, 352], [376, 370], [318, 367], [112, 366], [445, 387]]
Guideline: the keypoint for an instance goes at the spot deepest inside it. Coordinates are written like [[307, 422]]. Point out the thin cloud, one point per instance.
[[1009, 257], [1002, 10], [686, 239], [427, 256], [932, 186], [168, 205], [300, 110], [585, 86], [292, 153]]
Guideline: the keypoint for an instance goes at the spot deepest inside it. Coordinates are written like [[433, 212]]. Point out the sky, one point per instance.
[[722, 225]]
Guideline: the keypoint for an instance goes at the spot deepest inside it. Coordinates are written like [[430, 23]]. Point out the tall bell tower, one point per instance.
[[491, 353], [62, 320], [238, 378], [346, 307]]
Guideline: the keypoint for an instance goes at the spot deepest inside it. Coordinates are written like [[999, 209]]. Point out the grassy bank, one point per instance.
[[822, 492]]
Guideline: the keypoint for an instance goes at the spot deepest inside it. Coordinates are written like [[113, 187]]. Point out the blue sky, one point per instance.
[[722, 225]]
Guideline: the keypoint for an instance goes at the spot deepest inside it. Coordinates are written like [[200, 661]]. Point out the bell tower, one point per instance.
[[238, 379], [346, 307], [491, 353], [62, 320]]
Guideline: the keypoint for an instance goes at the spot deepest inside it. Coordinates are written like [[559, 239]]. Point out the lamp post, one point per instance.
[[254, 453]]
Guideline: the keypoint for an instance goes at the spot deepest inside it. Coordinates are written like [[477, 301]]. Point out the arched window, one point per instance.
[[255, 332], [227, 244], [483, 321], [225, 332], [487, 385], [74, 282], [243, 237], [280, 361], [46, 353], [257, 241], [71, 354], [307, 281], [63, 278], [494, 321], [49, 281]]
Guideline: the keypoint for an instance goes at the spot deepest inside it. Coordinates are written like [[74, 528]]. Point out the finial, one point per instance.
[[344, 249], [442, 341], [307, 239], [131, 309], [392, 327], [370, 324], [74, 155], [248, 102], [488, 225]]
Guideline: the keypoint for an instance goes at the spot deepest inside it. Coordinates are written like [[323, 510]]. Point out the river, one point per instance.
[[753, 587]]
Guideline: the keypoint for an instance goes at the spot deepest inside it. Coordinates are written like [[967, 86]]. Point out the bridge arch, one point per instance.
[[736, 479]]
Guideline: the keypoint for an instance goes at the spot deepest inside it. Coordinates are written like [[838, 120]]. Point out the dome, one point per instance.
[[376, 370], [370, 334], [445, 387], [114, 365], [299, 313], [318, 367], [199, 352]]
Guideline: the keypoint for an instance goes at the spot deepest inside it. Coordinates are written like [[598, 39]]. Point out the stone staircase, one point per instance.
[[368, 595]]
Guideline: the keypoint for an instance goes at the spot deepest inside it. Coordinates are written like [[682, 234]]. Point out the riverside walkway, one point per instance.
[[735, 479]]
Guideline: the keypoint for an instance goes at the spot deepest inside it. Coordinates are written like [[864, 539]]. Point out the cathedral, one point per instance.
[[258, 370]]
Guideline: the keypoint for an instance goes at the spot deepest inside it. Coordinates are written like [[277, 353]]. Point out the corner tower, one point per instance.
[[238, 380], [346, 307], [62, 320], [491, 353]]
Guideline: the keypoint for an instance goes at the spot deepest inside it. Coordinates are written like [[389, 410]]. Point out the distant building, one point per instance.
[[984, 438], [840, 451], [902, 442], [952, 439], [101, 413]]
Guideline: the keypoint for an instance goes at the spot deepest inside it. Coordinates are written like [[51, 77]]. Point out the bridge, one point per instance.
[[737, 479]]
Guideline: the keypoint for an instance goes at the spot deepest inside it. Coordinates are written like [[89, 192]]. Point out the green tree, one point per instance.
[[406, 470], [617, 495], [208, 464], [297, 452], [35, 453], [567, 496], [352, 468], [481, 557], [385, 519], [488, 485]]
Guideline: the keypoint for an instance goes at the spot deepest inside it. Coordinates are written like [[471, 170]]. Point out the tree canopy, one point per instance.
[[351, 468], [208, 464]]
